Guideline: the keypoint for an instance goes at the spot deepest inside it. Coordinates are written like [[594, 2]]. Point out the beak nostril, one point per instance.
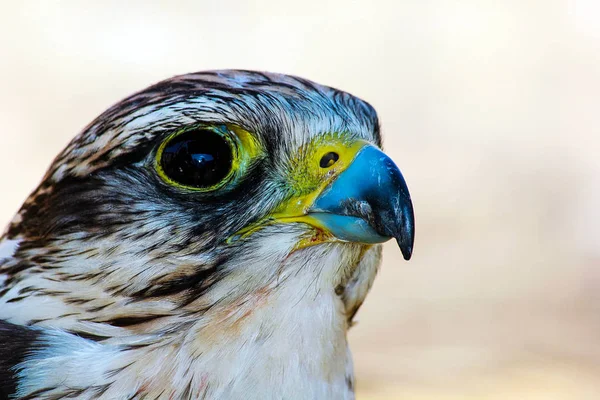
[[329, 159]]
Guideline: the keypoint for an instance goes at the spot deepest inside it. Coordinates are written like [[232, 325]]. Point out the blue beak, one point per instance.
[[368, 203]]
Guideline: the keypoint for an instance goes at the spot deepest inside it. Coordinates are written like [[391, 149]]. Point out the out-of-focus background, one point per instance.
[[489, 107]]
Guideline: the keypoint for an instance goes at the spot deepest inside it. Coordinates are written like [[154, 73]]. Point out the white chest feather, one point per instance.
[[285, 341]]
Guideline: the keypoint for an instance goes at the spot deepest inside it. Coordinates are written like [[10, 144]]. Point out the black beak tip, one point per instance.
[[406, 235], [405, 247]]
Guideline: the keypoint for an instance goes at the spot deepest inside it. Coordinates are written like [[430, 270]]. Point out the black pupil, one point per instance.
[[329, 159], [198, 158]]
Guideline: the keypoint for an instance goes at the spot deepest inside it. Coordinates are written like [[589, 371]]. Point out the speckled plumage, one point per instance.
[[128, 287]]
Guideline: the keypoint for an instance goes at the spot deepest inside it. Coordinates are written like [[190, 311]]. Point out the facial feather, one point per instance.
[[120, 270]]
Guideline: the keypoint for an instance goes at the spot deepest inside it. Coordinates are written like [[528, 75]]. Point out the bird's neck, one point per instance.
[[285, 340]]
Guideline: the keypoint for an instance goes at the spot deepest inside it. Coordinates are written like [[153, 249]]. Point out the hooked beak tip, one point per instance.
[[405, 248], [406, 240]]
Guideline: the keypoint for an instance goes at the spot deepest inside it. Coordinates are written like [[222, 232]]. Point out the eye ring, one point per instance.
[[198, 158], [329, 159]]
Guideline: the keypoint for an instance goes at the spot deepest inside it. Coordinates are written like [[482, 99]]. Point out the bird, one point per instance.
[[209, 237]]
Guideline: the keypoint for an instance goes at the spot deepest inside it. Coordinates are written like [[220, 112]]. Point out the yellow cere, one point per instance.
[[244, 146], [306, 180]]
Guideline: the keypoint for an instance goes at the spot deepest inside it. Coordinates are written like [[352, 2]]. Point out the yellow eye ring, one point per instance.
[[204, 158]]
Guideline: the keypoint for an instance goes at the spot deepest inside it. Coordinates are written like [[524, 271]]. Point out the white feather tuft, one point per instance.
[[8, 248]]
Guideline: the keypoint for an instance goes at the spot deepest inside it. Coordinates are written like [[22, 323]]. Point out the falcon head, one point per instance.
[[209, 209]]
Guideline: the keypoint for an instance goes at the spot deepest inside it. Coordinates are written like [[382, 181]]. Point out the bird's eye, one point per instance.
[[198, 159]]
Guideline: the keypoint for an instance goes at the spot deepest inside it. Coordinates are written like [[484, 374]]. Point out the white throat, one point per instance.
[[286, 340]]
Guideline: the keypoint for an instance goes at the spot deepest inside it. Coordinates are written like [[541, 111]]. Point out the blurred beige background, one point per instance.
[[489, 107]]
